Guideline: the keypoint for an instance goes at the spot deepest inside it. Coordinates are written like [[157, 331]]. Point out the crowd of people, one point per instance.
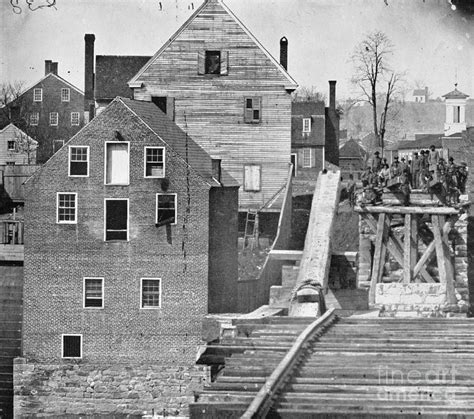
[[426, 171]]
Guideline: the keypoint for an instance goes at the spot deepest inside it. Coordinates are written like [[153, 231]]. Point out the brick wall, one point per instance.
[[59, 390]]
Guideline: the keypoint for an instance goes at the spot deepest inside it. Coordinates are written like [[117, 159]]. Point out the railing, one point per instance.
[[11, 232]]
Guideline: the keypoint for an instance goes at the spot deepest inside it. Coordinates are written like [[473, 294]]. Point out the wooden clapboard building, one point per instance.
[[221, 86]]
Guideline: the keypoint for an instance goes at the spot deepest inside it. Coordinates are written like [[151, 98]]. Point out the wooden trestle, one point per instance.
[[404, 248]]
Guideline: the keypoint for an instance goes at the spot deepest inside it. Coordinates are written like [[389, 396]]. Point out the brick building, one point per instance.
[[131, 239], [50, 112], [215, 79], [314, 135]]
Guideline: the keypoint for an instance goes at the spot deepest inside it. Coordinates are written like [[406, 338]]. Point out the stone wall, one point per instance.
[[122, 390]]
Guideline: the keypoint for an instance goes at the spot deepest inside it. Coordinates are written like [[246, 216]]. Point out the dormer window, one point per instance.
[[213, 62], [306, 125]]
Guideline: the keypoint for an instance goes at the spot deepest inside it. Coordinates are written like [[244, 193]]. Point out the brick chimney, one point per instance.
[[89, 39], [54, 68], [284, 52], [216, 169], [47, 67], [332, 94]]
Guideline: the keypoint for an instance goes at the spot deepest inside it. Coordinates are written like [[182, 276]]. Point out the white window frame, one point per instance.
[[37, 94], [310, 157], [75, 208], [69, 159], [175, 207], [105, 219], [34, 119], [105, 162], [306, 125], [62, 346], [141, 294], [145, 162], [51, 115], [65, 94], [84, 292], [74, 114], [14, 145]]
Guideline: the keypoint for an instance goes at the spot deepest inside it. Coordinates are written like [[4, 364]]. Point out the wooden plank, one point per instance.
[[379, 256], [407, 251], [414, 243], [408, 210], [445, 266]]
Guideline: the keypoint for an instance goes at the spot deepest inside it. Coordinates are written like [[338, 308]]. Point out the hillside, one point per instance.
[[412, 118]]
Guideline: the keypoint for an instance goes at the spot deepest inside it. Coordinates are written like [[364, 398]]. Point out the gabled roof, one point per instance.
[[352, 149], [422, 141], [177, 140], [291, 82], [455, 94], [52, 75], [419, 92], [307, 108], [112, 72], [18, 130]]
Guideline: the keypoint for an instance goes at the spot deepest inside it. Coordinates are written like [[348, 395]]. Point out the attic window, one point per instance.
[[79, 161], [65, 95], [213, 62], [252, 110], [306, 125], [155, 162], [11, 145], [37, 95]]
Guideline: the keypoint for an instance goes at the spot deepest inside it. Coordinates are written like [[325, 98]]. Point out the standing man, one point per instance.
[[415, 171], [433, 159], [376, 163]]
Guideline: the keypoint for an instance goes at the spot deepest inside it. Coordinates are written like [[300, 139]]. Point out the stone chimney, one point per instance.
[[332, 94], [54, 68], [47, 67], [89, 77], [284, 52]]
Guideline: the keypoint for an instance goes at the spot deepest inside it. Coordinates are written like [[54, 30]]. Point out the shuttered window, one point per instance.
[[213, 62], [117, 163], [252, 177], [116, 219], [72, 346], [93, 292], [252, 110]]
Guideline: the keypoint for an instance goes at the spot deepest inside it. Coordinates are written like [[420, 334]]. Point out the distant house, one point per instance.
[[122, 260], [455, 112], [16, 147], [219, 84], [50, 112], [352, 159], [406, 149], [314, 135], [420, 95]]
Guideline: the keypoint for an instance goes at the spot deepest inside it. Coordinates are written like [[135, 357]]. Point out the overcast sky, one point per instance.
[[433, 43]]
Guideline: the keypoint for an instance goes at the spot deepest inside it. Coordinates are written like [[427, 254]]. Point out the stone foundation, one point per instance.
[[43, 390]]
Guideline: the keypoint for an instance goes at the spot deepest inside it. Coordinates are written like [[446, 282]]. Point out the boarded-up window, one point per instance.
[[72, 346], [116, 219], [252, 110], [155, 162], [79, 161], [166, 209], [150, 293], [117, 164], [252, 177], [93, 292]]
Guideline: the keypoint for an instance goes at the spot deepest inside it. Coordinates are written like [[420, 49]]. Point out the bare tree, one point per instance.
[[304, 94], [372, 69]]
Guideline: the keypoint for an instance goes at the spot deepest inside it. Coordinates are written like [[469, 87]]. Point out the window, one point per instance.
[[116, 219], [117, 163], [34, 119], [79, 161], [57, 144], [71, 346], [457, 114], [166, 209], [37, 95], [252, 111], [10, 163], [11, 145], [307, 154], [155, 162], [93, 292], [65, 95], [67, 208], [150, 294], [165, 104], [213, 62], [306, 125], [53, 119], [252, 175], [75, 119]]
